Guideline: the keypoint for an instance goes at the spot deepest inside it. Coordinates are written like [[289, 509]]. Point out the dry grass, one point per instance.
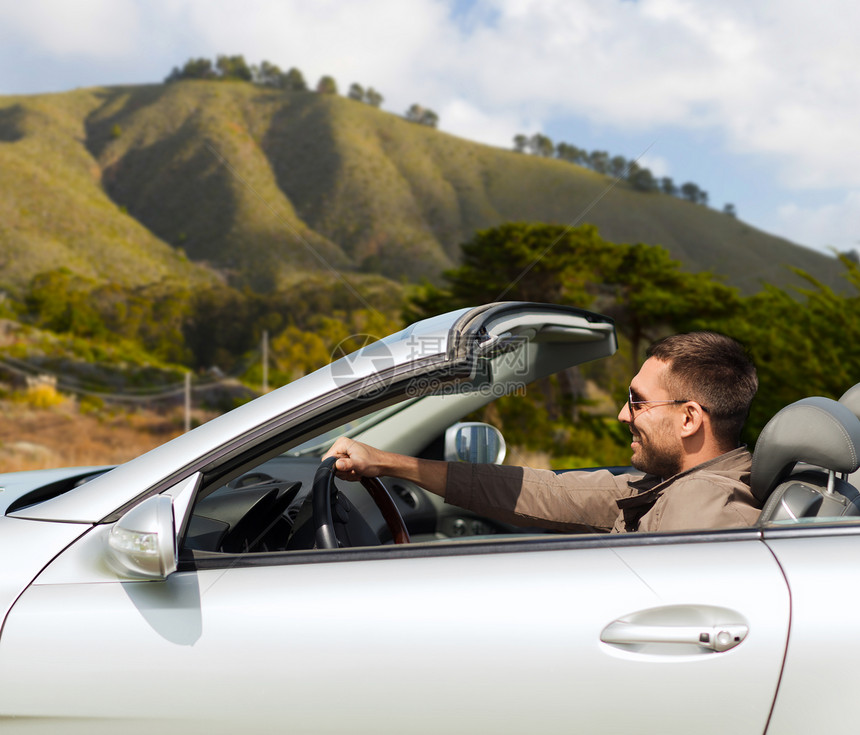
[[62, 436]]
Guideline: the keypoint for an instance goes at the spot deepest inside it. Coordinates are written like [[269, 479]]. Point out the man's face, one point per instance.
[[656, 445]]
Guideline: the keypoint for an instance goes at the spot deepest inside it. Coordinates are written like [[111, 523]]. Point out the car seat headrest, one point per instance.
[[851, 398], [818, 431]]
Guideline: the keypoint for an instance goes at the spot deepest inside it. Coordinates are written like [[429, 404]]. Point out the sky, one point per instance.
[[754, 101]]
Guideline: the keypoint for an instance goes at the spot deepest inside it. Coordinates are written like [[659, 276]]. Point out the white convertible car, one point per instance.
[[224, 583]]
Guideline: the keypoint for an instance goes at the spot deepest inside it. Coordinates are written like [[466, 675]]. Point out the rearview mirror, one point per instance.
[[473, 441]]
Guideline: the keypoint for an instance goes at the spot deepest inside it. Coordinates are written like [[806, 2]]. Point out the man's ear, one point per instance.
[[693, 419]]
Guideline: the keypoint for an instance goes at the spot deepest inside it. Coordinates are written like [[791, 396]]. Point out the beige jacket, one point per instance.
[[715, 494]]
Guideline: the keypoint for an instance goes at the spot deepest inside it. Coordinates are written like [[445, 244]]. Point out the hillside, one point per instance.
[[205, 180]]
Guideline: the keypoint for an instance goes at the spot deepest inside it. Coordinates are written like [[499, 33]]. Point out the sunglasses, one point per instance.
[[631, 404]]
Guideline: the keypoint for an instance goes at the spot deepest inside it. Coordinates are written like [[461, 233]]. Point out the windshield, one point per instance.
[[318, 445]]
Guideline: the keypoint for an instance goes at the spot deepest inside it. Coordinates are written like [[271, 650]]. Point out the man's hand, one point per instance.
[[356, 460]]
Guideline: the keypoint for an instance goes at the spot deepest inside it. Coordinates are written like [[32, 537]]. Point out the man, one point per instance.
[[685, 410]]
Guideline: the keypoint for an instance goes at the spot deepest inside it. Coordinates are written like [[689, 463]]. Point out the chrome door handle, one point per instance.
[[712, 637]]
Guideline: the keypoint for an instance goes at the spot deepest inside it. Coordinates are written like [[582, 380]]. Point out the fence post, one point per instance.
[[187, 401]]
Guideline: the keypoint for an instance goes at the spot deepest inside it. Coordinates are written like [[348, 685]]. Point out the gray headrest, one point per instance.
[[818, 431], [851, 398]]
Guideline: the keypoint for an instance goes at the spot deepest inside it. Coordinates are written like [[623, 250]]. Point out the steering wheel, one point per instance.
[[323, 491]]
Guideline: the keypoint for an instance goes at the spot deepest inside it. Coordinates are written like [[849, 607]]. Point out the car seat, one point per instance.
[[851, 398], [823, 436]]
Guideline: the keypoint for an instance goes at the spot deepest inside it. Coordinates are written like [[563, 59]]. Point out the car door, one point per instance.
[[823, 658], [536, 634]]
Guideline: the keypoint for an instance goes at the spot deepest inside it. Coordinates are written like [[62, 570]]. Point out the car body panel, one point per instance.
[[503, 639], [822, 661], [25, 549]]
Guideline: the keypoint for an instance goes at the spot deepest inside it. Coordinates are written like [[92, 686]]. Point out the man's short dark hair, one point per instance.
[[714, 370]]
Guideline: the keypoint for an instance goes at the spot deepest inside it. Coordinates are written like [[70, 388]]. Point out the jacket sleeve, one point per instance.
[[582, 502]]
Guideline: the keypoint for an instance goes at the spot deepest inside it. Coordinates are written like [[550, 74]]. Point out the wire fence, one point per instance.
[[184, 391]]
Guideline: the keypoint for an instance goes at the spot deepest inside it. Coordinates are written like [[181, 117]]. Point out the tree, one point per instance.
[[640, 286], [541, 145], [421, 115], [652, 296], [356, 92], [414, 113], [599, 161], [570, 153], [667, 186], [267, 74], [59, 300], [642, 179], [729, 209], [803, 342], [690, 192], [520, 143], [233, 68], [294, 81], [327, 85], [373, 98], [194, 69], [429, 118], [618, 166], [522, 261]]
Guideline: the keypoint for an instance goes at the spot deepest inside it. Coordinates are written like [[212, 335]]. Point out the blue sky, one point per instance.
[[756, 101]]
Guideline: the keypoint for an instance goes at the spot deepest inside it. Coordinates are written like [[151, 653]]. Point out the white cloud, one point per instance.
[[463, 119], [96, 29], [658, 165], [773, 79], [836, 224]]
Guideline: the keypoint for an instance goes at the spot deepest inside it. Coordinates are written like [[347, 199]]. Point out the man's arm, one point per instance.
[[357, 460]]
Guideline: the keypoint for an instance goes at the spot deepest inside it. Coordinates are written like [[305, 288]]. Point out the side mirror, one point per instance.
[[144, 543], [474, 442]]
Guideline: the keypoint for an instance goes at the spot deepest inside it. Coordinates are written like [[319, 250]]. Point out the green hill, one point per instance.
[[206, 180]]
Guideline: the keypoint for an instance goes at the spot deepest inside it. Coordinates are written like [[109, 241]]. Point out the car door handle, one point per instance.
[[712, 637]]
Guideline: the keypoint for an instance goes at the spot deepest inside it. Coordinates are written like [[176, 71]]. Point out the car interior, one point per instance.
[[804, 471]]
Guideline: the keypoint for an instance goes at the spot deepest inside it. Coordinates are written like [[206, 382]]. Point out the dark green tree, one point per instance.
[[541, 145], [294, 81], [570, 153], [373, 98], [651, 296], [429, 118], [233, 68], [692, 193], [522, 261], [642, 179], [193, 69], [327, 85], [267, 74], [599, 161], [618, 166], [805, 341]]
